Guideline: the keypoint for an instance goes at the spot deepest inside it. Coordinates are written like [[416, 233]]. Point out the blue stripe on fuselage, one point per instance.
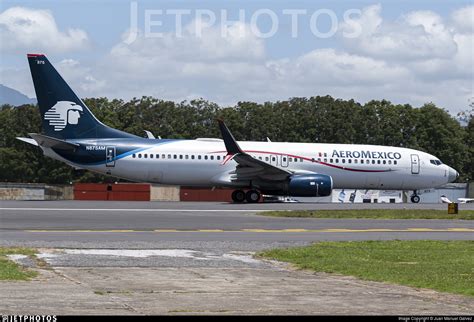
[[126, 147]]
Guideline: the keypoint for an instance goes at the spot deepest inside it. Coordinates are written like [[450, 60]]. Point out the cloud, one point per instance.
[[32, 30], [417, 58], [417, 35], [463, 19]]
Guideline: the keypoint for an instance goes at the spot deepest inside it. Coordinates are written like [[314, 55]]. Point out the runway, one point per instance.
[[198, 258], [60, 223]]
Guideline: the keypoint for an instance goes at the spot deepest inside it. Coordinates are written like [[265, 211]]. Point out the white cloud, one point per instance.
[[417, 58], [463, 19], [416, 35], [32, 30]]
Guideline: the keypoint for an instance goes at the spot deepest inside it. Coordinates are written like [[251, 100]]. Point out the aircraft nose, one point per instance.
[[452, 175]]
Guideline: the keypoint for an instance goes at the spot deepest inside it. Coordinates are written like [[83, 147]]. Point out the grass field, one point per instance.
[[373, 214], [12, 271], [446, 266]]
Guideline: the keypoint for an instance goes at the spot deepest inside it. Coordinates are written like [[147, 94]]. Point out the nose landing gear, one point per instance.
[[414, 197]]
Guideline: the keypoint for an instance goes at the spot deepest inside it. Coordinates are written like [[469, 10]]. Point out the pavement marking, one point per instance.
[[255, 230], [137, 210]]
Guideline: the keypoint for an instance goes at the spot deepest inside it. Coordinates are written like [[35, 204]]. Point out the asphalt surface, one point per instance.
[[150, 224], [198, 258]]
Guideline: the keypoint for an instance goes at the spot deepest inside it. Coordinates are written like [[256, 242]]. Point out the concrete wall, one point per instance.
[[344, 196], [470, 191], [452, 191], [35, 191], [164, 193]]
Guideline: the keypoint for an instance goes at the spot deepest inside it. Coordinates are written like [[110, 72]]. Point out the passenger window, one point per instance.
[[157, 156], [273, 159], [266, 158], [355, 161], [389, 161], [378, 161], [343, 160], [139, 155], [325, 160], [151, 156], [205, 157], [169, 156], [349, 161], [163, 156], [146, 155], [192, 157], [361, 161], [394, 161], [337, 160], [330, 161], [133, 156], [373, 161], [175, 156], [186, 156], [384, 162], [212, 157], [199, 157]]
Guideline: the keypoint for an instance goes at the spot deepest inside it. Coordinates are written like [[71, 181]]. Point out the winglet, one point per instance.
[[230, 143]]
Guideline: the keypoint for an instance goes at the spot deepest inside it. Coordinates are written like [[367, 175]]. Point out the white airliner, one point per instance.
[[73, 135]]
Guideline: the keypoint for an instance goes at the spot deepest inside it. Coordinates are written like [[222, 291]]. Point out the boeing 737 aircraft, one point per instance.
[[73, 135]]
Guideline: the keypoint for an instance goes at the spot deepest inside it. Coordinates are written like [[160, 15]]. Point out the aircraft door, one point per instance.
[[415, 164], [110, 156], [284, 161]]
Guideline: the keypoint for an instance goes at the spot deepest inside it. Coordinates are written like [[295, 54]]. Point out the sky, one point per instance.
[[408, 52]]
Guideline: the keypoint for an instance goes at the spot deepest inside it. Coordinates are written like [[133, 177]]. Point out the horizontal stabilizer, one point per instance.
[[50, 142], [28, 140]]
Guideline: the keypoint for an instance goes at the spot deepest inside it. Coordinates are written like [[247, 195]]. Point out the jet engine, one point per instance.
[[309, 185]]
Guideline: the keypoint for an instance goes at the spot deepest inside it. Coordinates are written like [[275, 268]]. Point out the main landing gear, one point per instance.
[[414, 197], [251, 196]]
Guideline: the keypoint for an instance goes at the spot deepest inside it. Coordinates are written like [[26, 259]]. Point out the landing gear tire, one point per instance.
[[415, 199], [252, 196], [238, 196]]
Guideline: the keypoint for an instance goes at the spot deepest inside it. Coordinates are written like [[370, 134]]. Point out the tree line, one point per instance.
[[320, 119]]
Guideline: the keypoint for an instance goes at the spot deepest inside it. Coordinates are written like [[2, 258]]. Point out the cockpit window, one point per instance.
[[436, 162]]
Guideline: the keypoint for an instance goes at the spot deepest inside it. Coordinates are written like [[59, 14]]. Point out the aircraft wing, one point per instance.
[[249, 168], [445, 199], [466, 200]]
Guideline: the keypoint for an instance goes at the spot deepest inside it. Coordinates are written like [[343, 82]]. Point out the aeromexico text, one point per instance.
[[366, 155]]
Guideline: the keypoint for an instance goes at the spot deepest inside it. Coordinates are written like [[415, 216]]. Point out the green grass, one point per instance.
[[446, 266], [373, 214], [10, 270]]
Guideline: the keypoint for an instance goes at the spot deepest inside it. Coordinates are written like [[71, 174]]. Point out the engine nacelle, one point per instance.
[[310, 185]]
